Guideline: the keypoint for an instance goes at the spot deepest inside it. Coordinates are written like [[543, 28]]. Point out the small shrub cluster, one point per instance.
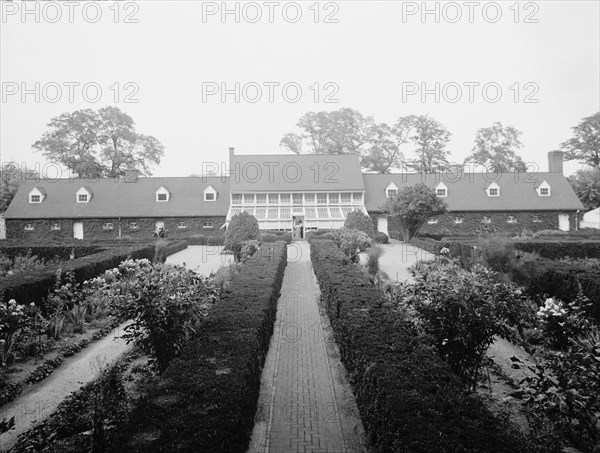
[[408, 398], [206, 400]]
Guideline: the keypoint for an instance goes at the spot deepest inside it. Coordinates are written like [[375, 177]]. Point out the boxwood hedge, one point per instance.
[[207, 398]]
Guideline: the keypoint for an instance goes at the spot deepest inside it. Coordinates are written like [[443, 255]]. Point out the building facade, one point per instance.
[[281, 190]]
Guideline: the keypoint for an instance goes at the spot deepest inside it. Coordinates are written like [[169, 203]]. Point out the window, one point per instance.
[[261, 213], [161, 197], [493, 192], [133, 225], [181, 225], [248, 198], [82, 198], [458, 220], [346, 210], [391, 193], [432, 221], [321, 198], [440, 192], [486, 220], [207, 226], [55, 226], [544, 191], [285, 213], [248, 209], [311, 214], [346, 198], [285, 198], [334, 198], [536, 219], [272, 214], [298, 210], [273, 198], [235, 211], [511, 219], [236, 198], [35, 199], [323, 213], [107, 226], [29, 227], [336, 213], [357, 197], [261, 198], [309, 198], [209, 196], [297, 198]]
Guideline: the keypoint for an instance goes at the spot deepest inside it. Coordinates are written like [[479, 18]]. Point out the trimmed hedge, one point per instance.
[[176, 247], [427, 244], [408, 399], [206, 400], [206, 240], [268, 237], [381, 238], [49, 252], [559, 248], [26, 288]]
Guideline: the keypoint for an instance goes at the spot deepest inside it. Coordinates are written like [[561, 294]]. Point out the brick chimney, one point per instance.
[[555, 162]]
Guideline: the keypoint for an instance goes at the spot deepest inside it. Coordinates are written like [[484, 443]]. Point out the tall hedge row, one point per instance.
[[557, 248], [408, 399], [206, 400]]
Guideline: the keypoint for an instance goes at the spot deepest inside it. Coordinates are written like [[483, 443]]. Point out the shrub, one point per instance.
[[242, 227], [403, 389], [269, 237], [206, 400], [357, 220], [160, 252], [373, 255], [559, 248], [248, 249], [166, 304], [351, 242], [497, 253], [381, 238]]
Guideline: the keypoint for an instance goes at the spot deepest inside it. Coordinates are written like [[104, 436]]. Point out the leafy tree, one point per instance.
[[384, 150], [342, 131], [496, 147], [242, 227], [585, 143], [431, 138], [412, 207], [586, 184], [11, 177], [357, 220], [72, 141]]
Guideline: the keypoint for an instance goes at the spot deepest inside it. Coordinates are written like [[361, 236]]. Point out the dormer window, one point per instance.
[[162, 194], [543, 189], [441, 190], [83, 195], [493, 190], [210, 194], [36, 195], [391, 190]]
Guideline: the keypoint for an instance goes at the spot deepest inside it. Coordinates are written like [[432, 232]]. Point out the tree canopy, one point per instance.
[[412, 207], [11, 177], [584, 146], [96, 143], [430, 138], [586, 184], [496, 147]]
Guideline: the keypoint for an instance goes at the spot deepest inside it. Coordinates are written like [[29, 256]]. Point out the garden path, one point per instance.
[[397, 257], [38, 401], [202, 259], [306, 403]]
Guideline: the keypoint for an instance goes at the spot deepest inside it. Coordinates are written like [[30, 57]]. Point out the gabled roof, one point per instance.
[[119, 199], [467, 192], [291, 172], [39, 189]]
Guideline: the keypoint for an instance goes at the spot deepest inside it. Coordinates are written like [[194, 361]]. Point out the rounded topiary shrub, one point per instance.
[[381, 238], [242, 227], [357, 220]]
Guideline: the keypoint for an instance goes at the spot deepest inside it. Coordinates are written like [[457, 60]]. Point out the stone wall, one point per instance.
[[93, 228]]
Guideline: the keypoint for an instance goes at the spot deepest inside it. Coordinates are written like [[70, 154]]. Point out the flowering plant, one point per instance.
[[560, 321]]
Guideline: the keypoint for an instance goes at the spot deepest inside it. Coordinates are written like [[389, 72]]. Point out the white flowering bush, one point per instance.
[[560, 322], [13, 318]]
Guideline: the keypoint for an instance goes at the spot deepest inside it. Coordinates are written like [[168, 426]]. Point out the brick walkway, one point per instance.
[[303, 414]]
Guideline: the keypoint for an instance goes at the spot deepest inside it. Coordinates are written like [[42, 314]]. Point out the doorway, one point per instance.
[[298, 227], [78, 230], [563, 222]]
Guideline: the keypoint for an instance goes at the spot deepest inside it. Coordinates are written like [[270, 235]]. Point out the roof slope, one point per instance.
[[116, 198], [290, 172], [467, 191]]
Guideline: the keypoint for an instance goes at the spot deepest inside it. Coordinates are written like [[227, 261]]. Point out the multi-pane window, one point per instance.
[[261, 198], [334, 198], [511, 219], [36, 199], [440, 192], [486, 219], [297, 198], [261, 213], [181, 225], [298, 210], [310, 213], [336, 213], [133, 225], [346, 210], [273, 198], [544, 191], [391, 193], [272, 214], [248, 198], [207, 226], [161, 197], [209, 196], [321, 198], [357, 197], [493, 192], [285, 213], [458, 220], [107, 226], [537, 219], [346, 198], [285, 198], [55, 226], [82, 198], [29, 227], [236, 198], [248, 209], [309, 198], [432, 221], [323, 213], [235, 211]]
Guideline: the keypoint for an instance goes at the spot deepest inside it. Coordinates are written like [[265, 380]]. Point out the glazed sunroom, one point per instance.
[[279, 210]]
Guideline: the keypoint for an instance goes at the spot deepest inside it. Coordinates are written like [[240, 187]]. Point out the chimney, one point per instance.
[[555, 162], [131, 175]]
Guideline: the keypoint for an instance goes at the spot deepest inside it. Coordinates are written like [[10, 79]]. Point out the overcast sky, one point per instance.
[[376, 57]]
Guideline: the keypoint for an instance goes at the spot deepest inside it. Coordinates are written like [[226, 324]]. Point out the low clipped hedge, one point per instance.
[[206, 240], [427, 244], [26, 288], [176, 247], [269, 237], [207, 398], [557, 248], [49, 252], [408, 399]]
